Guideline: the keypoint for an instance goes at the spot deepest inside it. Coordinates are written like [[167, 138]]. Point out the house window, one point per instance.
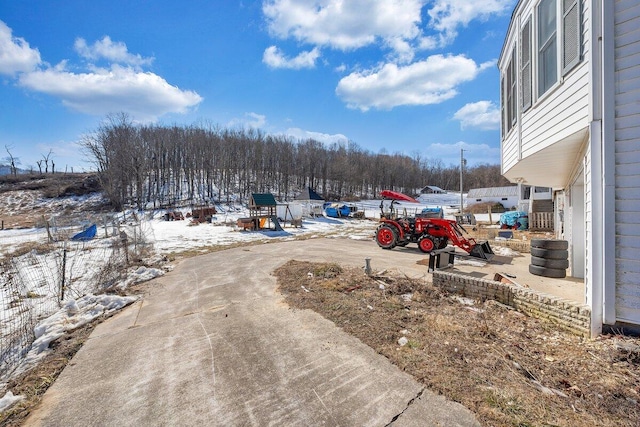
[[525, 65], [547, 46], [509, 95], [513, 81], [553, 29]]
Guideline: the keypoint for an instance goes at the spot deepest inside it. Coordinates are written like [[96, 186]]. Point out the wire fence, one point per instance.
[[37, 283]]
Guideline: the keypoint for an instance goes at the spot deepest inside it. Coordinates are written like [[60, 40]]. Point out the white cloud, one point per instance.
[[394, 24], [16, 55], [325, 138], [403, 51], [101, 90], [448, 15], [482, 115], [431, 81], [274, 58], [144, 95], [341, 68], [343, 25], [115, 52], [250, 120], [428, 43]]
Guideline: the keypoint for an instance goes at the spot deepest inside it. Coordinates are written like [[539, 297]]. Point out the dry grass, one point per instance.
[[511, 370], [35, 382], [21, 197]]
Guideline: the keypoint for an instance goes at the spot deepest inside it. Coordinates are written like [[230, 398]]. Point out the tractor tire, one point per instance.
[[550, 262], [550, 244], [549, 253], [426, 245], [556, 273], [443, 244], [386, 237]]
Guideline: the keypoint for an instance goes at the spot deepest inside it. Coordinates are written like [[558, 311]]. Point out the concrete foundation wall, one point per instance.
[[567, 315]]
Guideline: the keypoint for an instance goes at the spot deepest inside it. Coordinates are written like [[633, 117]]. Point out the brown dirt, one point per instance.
[[511, 370]]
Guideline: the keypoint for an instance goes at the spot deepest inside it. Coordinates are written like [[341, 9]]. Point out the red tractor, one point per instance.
[[429, 233]]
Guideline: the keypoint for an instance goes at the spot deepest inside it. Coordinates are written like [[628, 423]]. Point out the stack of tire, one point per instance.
[[549, 258]]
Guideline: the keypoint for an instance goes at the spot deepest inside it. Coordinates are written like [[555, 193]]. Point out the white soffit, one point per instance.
[[551, 166]]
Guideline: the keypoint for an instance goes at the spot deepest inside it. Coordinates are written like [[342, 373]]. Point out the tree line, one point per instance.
[[170, 165]]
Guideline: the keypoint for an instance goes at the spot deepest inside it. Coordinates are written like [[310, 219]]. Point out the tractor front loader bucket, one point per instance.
[[482, 250]]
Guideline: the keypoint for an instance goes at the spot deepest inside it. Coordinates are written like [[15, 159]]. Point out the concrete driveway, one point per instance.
[[212, 343]]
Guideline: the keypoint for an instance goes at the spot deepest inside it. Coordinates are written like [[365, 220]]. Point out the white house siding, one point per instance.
[[510, 151], [627, 160], [562, 113]]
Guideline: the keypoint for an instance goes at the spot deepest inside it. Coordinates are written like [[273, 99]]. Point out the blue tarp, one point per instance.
[[335, 210], [87, 234], [515, 219]]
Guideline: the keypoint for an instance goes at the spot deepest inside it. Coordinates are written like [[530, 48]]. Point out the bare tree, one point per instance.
[[46, 160], [12, 161]]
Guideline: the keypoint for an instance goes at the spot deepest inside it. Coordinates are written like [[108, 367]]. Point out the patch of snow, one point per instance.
[[471, 262], [505, 251], [141, 274], [74, 314], [9, 400], [463, 300]]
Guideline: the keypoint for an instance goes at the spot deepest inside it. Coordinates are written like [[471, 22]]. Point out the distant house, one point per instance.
[[506, 196], [569, 79], [525, 198], [432, 189]]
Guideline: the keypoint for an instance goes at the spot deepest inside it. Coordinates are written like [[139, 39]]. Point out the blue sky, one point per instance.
[[403, 76]]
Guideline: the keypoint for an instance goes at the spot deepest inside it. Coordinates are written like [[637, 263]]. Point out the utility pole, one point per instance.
[[461, 167]]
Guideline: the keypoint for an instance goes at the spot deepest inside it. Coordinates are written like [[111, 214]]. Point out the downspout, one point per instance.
[[595, 250], [595, 226]]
